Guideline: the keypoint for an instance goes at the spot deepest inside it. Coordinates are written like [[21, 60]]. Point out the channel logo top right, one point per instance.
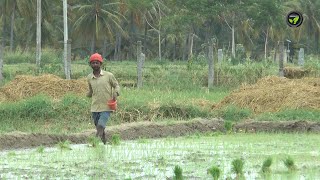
[[294, 19]]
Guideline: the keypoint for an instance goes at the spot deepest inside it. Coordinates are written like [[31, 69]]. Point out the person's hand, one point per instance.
[[114, 97]]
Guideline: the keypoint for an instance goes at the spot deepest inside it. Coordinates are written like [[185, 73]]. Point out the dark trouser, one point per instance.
[[100, 120]]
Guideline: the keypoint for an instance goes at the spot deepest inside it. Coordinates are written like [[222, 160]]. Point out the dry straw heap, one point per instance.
[[26, 86], [272, 93]]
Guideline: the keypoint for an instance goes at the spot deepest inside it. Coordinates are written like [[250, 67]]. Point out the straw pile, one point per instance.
[[26, 86], [271, 94], [294, 72]]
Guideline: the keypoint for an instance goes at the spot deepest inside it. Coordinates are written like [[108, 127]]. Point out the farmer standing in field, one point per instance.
[[103, 87]]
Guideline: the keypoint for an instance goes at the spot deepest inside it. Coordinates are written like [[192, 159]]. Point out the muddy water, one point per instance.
[[156, 159]]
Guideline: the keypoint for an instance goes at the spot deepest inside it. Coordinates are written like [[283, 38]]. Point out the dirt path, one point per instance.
[[131, 131]]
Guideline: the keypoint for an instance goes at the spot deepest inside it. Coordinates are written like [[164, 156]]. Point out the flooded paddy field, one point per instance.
[[156, 158]]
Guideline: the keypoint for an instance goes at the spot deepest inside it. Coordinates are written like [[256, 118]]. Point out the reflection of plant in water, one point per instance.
[[177, 173], [289, 163], [266, 165], [215, 172]]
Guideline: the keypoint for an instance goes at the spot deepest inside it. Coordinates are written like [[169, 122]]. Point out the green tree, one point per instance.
[[97, 20], [268, 20]]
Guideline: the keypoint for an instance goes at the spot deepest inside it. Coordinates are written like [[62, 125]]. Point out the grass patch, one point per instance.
[[291, 114], [115, 139], [64, 145], [234, 113]]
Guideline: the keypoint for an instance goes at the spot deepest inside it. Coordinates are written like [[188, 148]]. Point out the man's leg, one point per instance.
[[95, 117], [104, 117]]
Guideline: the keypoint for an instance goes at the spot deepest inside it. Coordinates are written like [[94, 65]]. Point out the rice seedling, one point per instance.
[[289, 163], [12, 153], [40, 149], [228, 126], [115, 139], [237, 167], [93, 141], [65, 145], [215, 172], [142, 140], [177, 173], [266, 165]]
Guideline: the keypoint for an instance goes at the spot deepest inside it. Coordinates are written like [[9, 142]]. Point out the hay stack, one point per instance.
[[3, 96], [26, 86], [272, 93], [295, 72]]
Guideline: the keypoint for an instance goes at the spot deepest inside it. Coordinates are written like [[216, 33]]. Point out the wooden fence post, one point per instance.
[[220, 56], [281, 73], [69, 59], [140, 62], [211, 64], [301, 57]]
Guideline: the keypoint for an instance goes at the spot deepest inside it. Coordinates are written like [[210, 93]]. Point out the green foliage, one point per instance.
[[266, 165], [94, 141], [177, 173], [18, 57], [228, 125], [49, 56], [35, 107], [234, 113], [40, 149], [64, 145], [115, 139], [215, 172], [11, 153], [290, 114], [237, 166], [290, 164]]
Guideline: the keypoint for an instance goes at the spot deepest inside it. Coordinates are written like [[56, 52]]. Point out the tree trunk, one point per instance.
[[265, 45], [211, 68], [145, 37], [65, 40], [175, 48], [190, 45], [316, 39], [93, 43], [233, 45], [159, 36], [275, 52], [115, 54], [12, 24], [139, 64], [281, 73], [1, 61], [104, 48], [185, 51], [38, 50], [119, 47]]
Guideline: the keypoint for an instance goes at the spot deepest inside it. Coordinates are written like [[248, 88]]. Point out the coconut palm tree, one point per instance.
[[97, 20]]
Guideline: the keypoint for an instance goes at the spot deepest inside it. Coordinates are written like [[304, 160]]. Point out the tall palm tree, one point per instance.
[[97, 20]]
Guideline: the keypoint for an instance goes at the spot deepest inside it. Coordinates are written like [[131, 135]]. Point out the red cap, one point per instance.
[[96, 57]]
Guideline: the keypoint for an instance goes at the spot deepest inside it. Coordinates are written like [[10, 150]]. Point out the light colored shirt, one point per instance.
[[101, 90]]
